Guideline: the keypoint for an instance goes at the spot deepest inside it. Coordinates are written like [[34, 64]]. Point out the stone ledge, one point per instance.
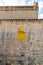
[[16, 8]]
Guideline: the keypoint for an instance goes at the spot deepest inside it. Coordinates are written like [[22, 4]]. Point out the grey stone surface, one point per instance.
[[12, 49]]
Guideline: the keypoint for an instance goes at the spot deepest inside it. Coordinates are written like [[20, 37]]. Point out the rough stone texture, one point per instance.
[[26, 51], [19, 12], [12, 51]]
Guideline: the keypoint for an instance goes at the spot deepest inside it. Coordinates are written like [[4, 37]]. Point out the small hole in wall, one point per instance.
[[22, 55], [7, 34], [31, 43]]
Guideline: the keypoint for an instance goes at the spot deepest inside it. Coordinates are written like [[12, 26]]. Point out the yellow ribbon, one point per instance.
[[21, 34]]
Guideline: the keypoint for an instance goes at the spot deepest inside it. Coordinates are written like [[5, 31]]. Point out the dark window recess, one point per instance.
[[22, 55], [7, 34], [8, 64], [31, 43], [0, 61]]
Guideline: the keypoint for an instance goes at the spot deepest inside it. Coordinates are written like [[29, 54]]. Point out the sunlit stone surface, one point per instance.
[[21, 52]]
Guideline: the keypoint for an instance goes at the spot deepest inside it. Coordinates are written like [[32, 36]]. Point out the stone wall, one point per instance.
[[19, 12], [31, 48]]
